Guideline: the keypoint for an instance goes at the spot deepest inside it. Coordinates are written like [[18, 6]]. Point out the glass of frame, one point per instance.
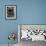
[[10, 12]]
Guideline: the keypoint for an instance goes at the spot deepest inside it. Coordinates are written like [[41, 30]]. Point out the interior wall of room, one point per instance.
[[28, 12]]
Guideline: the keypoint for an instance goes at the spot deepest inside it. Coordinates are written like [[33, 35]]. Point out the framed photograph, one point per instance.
[[10, 12]]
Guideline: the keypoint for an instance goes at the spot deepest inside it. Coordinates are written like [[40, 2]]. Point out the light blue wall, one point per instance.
[[28, 12]]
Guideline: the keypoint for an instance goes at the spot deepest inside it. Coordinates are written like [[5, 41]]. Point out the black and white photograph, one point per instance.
[[10, 12]]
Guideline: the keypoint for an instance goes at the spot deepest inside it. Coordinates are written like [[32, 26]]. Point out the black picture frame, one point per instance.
[[10, 12]]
